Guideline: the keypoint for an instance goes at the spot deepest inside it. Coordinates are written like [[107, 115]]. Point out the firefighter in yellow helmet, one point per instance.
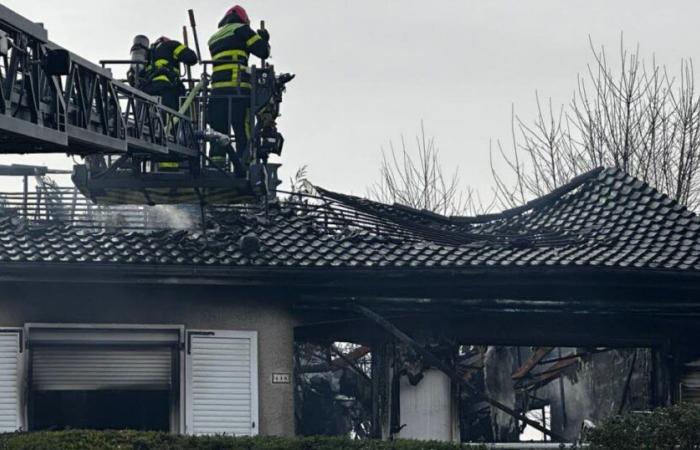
[[229, 107]]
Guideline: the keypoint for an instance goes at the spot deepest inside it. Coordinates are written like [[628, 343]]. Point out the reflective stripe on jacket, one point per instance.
[[230, 48], [165, 61]]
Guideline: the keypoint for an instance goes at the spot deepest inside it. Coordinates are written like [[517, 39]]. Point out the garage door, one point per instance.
[[222, 383]]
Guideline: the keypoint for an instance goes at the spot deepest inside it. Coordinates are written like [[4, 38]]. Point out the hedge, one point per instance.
[[138, 440], [674, 427]]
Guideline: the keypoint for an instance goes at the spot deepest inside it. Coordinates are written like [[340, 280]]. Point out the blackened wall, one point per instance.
[[594, 389]]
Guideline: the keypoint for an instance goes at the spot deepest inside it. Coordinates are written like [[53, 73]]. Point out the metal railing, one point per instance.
[[50, 204]]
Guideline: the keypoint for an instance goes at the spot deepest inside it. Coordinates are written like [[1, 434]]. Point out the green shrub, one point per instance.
[[137, 440], [665, 428]]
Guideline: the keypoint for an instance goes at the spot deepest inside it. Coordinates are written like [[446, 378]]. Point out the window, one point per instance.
[[101, 410], [103, 378], [116, 377]]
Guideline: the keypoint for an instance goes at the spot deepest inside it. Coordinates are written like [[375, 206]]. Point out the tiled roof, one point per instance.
[[602, 219]]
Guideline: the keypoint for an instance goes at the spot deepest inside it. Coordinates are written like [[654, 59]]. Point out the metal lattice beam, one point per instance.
[[80, 110]]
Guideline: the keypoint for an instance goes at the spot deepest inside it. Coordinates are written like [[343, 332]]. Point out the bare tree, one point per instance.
[[419, 181], [635, 116]]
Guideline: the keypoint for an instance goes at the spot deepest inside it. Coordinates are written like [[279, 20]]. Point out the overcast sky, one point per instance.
[[369, 71]]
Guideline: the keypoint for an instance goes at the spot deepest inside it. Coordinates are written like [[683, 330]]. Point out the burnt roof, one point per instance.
[[602, 219]]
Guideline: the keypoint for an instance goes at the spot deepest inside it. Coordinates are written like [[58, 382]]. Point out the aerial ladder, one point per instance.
[[54, 101]]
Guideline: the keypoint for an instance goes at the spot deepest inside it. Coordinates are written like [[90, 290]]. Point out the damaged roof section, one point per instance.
[[601, 219]]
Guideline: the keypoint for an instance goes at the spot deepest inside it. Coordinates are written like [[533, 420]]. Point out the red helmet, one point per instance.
[[161, 40], [239, 11]]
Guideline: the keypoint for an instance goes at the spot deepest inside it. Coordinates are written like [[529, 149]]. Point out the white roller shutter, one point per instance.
[[83, 368], [222, 383], [10, 381]]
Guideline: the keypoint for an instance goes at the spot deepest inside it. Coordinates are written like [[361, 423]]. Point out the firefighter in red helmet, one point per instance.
[[231, 47]]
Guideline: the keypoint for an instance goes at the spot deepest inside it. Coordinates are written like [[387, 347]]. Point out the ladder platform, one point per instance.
[[211, 186]]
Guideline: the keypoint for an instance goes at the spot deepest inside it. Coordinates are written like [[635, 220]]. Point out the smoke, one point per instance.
[[180, 217]]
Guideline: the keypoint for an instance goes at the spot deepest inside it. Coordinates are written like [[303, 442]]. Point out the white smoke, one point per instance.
[[181, 217]]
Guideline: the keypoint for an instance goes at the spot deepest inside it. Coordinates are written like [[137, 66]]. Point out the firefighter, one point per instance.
[[229, 107], [162, 78], [163, 71]]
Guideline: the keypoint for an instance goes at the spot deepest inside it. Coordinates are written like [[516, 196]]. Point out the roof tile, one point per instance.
[[605, 218]]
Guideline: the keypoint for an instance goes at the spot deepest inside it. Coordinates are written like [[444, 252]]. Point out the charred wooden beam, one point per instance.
[[576, 355], [350, 360], [540, 379], [381, 389], [531, 362], [343, 361], [436, 362]]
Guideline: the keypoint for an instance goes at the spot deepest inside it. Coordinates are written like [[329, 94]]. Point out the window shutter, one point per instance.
[[10, 380], [222, 383], [93, 368]]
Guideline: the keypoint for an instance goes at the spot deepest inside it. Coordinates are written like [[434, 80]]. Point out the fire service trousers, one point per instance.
[[169, 94], [226, 112]]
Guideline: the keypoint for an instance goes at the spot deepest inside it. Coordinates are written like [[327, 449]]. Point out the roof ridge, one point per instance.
[[538, 202], [534, 203], [547, 198]]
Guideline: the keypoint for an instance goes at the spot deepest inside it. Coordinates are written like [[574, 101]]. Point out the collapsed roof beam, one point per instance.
[[531, 362], [347, 359], [449, 371]]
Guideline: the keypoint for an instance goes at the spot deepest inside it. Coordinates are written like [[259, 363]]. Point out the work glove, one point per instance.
[[264, 34], [131, 77]]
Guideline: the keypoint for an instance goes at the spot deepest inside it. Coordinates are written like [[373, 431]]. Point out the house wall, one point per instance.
[[212, 308]]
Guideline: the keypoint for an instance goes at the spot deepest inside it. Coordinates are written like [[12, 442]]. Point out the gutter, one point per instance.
[[631, 289], [332, 277]]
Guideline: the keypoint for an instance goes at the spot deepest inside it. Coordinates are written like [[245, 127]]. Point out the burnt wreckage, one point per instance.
[[584, 301]]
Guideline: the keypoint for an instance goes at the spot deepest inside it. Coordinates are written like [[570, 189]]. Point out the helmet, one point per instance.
[[161, 40], [240, 12]]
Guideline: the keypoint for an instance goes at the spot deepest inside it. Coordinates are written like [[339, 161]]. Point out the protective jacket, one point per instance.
[[165, 59], [230, 48]]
